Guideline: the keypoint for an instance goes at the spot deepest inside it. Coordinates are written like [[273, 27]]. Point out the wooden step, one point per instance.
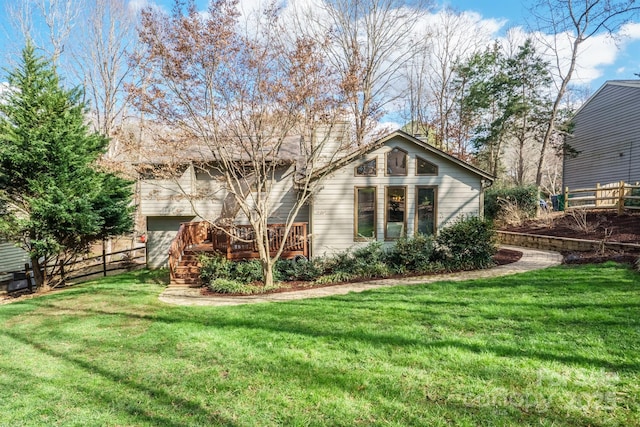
[[187, 269], [190, 283]]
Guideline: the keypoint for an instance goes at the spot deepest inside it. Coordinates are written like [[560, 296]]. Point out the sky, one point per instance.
[[601, 59]]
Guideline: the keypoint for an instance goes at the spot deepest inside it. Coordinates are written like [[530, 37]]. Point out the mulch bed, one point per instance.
[[601, 225], [502, 257]]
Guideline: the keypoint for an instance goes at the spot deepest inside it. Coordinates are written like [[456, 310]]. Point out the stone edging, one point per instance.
[[562, 244]]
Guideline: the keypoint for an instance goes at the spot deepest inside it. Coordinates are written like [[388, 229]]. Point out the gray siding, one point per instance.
[[282, 198], [607, 134], [333, 210], [167, 197], [12, 258]]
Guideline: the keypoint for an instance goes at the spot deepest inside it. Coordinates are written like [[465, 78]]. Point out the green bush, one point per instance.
[[469, 243], [363, 262], [526, 199], [247, 271], [302, 269], [214, 267], [227, 286], [218, 267], [414, 254]]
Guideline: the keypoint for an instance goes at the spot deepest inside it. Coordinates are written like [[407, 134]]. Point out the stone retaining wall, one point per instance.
[[562, 244]]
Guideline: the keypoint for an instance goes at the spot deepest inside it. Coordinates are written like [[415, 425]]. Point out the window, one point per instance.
[[397, 162], [425, 167], [368, 168], [395, 212], [365, 213], [426, 200]]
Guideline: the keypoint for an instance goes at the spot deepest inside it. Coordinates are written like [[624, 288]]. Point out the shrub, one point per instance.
[[227, 286], [218, 267], [246, 271], [525, 198], [413, 254], [334, 278], [469, 243], [214, 267], [364, 262], [302, 269]]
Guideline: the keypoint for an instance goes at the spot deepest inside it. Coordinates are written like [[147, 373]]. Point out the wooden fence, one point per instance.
[[126, 259], [617, 195]]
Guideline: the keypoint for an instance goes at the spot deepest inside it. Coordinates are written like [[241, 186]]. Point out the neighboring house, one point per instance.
[[606, 135], [397, 186], [12, 258]]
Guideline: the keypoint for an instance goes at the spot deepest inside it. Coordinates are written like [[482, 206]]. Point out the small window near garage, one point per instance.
[[368, 168], [365, 213], [425, 167], [397, 162]]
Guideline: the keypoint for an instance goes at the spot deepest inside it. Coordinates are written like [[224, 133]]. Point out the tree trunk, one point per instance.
[[38, 273], [267, 272]]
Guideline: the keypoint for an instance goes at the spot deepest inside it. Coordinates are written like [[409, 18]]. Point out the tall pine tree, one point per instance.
[[54, 198]]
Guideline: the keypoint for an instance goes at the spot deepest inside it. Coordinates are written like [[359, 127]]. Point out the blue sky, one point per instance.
[[600, 60]]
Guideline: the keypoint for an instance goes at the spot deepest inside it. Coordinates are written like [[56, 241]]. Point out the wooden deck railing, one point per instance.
[[189, 234], [239, 243], [236, 242], [609, 196]]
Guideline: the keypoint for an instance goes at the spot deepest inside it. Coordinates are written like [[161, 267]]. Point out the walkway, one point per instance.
[[532, 259]]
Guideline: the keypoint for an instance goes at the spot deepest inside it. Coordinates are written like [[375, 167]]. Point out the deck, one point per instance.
[[237, 242]]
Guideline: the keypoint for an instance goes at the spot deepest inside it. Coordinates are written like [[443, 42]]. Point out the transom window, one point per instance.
[[397, 162], [425, 167], [368, 168], [365, 213]]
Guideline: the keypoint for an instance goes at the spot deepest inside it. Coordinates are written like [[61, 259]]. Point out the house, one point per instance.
[[397, 186], [12, 259], [606, 136]]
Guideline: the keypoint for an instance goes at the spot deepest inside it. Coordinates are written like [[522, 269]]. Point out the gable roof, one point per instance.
[[634, 84], [399, 133]]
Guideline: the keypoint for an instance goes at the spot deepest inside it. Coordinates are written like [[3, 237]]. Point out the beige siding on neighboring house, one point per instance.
[[333, 210], [607, 134]]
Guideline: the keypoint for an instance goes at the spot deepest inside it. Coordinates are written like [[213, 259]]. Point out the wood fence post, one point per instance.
[[621, 198], [104, 259], [598, 194], [62, 270], [566, 198]]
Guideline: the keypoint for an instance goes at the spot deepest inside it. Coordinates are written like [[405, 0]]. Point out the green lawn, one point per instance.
[[555, 347]]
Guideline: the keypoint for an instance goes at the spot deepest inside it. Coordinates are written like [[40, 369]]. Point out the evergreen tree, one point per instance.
[[55, 199]]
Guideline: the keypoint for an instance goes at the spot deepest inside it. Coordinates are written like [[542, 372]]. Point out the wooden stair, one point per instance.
[[187, 272]]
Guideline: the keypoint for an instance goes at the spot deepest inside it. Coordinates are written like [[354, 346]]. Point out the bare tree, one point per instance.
[[370, 40], [232, 101], [102, 61], [447, 47], [47, 23], [574, 23]]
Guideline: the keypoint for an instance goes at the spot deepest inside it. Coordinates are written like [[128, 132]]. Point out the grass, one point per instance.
[[554, 347]]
